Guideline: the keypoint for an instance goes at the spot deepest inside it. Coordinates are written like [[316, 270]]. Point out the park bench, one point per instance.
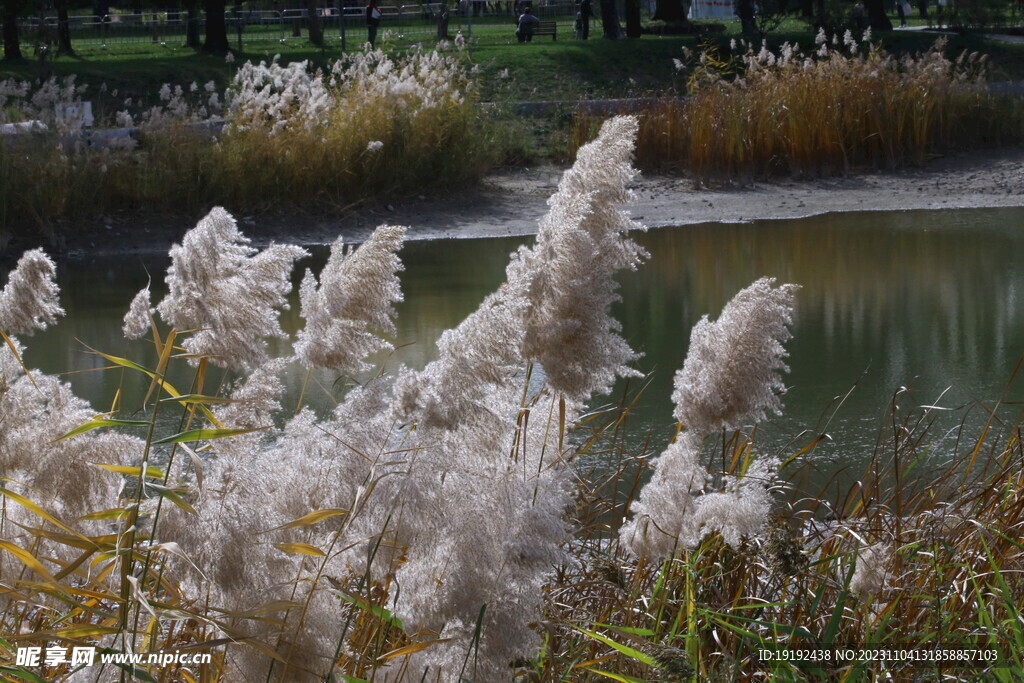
[[546, 28]]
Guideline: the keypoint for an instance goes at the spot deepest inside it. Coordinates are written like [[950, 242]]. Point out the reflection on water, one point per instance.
[[927, 300]]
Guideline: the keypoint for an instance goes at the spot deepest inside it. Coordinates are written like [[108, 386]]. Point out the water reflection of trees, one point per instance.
[[925, 299], [877, 287]]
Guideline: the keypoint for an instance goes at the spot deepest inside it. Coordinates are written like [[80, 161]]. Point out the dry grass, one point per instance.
[[50, 180], [923, 551], [950, 530], [847, 106]]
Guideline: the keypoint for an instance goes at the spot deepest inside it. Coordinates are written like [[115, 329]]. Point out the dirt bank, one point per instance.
[[511, 201]]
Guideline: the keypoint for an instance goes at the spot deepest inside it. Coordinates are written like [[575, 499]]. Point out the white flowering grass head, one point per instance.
[[351, 306], [569, 276], [41, 470], [871, 574], [493, 507], [56, 103], [476, 367], [732, 373], [666, 503], [731, 377], [554, 307], [139, 318], [226, 292], [419, 81], [683, 503], [30, 300], [124, 119], [275, 98]]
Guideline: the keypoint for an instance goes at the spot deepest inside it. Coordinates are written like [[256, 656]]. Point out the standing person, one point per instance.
[[372, 21], [859, 17], [586, 11]]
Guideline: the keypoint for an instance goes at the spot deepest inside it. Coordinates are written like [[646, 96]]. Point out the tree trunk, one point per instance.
[[63, 31], [216, 27], [316, 31], [633, 19], [12, 45], [191, 23], [610, 20], [877, 18], [669, 11]]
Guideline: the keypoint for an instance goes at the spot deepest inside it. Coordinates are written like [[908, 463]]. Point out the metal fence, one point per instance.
[[282, 25]]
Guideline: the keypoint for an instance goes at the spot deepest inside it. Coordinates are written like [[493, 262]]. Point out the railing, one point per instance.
[[258, 25]]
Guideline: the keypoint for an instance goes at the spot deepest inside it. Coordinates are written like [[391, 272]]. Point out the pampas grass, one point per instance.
[[292, 137], [437, 525]]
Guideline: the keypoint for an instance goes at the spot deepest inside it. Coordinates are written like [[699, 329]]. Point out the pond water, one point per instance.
[[925, 300]]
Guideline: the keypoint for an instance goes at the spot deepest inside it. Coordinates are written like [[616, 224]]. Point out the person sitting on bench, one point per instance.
[[527, 23]]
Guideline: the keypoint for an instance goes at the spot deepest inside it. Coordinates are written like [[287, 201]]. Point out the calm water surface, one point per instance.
[[925, 300]]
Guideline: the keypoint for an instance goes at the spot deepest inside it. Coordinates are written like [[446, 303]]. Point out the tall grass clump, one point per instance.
[[443, 524], [278, 137], [373, 125], [846, 104]]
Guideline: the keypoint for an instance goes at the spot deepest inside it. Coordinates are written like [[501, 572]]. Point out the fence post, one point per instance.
[[341, 20], [238, 24]]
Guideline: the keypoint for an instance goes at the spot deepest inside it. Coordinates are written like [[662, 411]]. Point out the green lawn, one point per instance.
[[565, 69]]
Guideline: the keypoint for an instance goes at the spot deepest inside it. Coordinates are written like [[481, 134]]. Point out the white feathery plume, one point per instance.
[[581, 244], [553, 307], [352, 303], [487, 531], [137, 321], [477, 361], [29, 302], [730, 376], [60, 475], [870, 574], [739, 510], [676, 509], [233, 482], [487, 514], [233, 562], [312, 465], [35, 411], [666, 503], [228, 291]]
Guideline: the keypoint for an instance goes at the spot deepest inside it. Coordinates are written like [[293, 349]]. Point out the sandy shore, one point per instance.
[[510, 203]]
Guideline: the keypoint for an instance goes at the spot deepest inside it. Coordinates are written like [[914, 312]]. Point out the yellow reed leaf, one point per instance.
[[300, 549]]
